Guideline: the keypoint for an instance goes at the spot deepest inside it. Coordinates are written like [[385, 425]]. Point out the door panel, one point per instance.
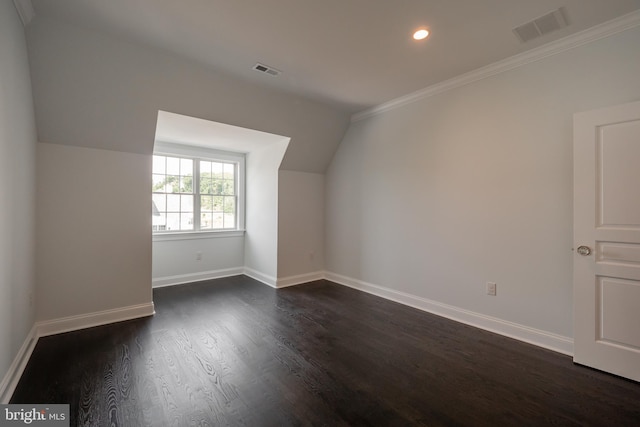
[[607, 221], [617, 159], [616, 310], [619, 253]]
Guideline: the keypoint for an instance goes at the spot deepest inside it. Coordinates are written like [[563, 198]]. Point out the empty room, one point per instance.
[[340, 212]]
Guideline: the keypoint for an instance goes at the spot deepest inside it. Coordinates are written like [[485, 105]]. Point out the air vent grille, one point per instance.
[[545, 24], [266, 69]]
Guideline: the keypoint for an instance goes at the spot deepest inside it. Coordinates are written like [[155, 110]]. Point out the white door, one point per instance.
[[606, 267]]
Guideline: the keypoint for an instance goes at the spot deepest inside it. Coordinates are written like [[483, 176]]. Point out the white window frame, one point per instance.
[[208, 154]]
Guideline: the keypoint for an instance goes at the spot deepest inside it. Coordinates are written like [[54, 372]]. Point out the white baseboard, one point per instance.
[[261, 277], [284, 282], [58, 326], [82, 321], [195, 277], [548, 340], [11, 378]]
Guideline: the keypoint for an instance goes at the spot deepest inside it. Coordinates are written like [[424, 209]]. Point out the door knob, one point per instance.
[[584, 250]]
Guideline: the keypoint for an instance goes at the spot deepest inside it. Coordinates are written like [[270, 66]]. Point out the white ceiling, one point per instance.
[[179, 129], [353, 54]]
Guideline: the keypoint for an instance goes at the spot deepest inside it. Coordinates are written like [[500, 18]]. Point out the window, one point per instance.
[[197, 192], [217, 195]]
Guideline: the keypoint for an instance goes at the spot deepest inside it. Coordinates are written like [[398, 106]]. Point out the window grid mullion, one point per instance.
[[196, 194], [235, 194], [180, 212]]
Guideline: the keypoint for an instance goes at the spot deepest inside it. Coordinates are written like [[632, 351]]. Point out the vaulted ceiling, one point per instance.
[[352, 54]]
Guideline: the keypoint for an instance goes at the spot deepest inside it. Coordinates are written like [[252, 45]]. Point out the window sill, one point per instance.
[[193, 235]]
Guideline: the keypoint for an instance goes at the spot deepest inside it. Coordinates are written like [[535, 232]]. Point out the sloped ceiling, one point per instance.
[[352, 54]]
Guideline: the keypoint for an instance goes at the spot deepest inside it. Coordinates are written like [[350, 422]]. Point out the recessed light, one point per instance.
[[421, 34]]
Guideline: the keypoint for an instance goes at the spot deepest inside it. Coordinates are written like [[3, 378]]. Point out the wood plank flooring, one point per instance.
[[236, 352]]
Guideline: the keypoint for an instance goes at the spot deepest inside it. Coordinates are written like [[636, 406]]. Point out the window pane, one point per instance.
[[229, 220], [216, 186], [216, 169], [205, 168], [206, 203], [218, 220], [218, 204], [160, 222], [229, 204], [186, 184], [173, 221], [205, 185], [229, 171], [186, 204], [159, 164], [160, 201], [228, 187], [173, 203], [171, 184], [186, 221], [158, 182], [173, 166], [206, 222], [229, 212], [186, 167]]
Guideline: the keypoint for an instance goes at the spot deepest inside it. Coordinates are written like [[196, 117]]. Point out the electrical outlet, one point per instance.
[[491, 288], [198, 256]]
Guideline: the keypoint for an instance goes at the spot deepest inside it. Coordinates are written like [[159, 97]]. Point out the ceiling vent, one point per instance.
[[266, 69], [545, 24]]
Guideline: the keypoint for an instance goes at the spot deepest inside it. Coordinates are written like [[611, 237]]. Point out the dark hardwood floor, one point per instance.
[[236, 352]]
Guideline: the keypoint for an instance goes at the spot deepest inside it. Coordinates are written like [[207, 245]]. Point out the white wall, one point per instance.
[[94, 230], [438, 197], [17, 189], [175, 261], [300, 223], [261, 238]]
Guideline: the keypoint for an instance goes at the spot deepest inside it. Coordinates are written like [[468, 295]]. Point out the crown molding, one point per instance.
[[25, 10], [589, 35]]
